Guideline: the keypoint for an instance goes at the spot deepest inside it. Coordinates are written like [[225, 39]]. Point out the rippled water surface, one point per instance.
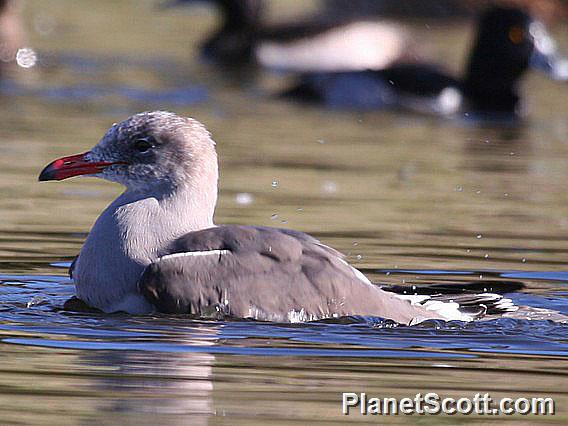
[[410, 200]]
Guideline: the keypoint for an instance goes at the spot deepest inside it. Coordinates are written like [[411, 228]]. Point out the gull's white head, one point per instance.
[[151, 152]]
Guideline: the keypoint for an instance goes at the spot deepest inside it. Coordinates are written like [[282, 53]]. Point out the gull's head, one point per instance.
[[148, 152]]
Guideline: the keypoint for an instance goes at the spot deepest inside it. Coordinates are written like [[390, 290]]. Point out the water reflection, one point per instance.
[[171, 369], [161, 385], [492, 153]]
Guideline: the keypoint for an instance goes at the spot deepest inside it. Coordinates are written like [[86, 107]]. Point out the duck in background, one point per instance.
[[545, 10], [310, 45], [508, 43]]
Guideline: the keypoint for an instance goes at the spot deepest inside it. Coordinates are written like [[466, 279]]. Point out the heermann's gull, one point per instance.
[[156, 246]]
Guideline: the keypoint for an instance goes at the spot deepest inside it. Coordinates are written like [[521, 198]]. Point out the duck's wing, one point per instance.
[[333, 46], [266, 274]]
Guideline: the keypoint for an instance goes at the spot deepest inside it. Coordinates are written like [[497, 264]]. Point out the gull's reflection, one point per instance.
[[171, 378]]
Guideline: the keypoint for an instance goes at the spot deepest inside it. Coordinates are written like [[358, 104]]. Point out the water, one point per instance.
[[410, 200]]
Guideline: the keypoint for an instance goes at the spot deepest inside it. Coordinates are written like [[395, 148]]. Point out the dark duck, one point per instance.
[[322, 43], [507, 44]]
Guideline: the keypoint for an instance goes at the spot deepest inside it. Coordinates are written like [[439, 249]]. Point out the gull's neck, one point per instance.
[[157, 218], [142, 225]]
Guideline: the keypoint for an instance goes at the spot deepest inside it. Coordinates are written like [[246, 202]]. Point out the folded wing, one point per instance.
[[266, 274]]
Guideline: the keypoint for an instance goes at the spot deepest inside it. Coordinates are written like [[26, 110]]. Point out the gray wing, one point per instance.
[[266, 274]]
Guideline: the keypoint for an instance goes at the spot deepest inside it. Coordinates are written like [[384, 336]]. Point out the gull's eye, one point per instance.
[[142, 145]]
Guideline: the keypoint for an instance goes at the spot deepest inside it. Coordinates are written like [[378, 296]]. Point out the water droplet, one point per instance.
[[274, 217], [387, 273], [486, 255], [524, 260], [44, 24], [355, 243], [300, 209], [275, 184], [321, 141], [26, 57], [459, 188], [244, 198], [359, 257], [36, 300], [329, 187], [479, 236]]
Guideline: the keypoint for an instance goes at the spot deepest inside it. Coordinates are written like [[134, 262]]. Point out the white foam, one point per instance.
[[447, 310], [414, 299], [301, 316]]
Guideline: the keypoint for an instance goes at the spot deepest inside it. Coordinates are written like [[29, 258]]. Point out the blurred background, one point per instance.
[[410, 198]]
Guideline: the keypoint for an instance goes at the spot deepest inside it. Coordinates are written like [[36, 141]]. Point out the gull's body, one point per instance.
[[156, 248], [106, 260]]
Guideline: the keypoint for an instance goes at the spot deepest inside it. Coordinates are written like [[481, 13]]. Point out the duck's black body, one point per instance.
[[508, 42], [413, 86]]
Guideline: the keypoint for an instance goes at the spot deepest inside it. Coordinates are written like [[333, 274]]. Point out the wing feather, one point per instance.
[[266, 274]]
